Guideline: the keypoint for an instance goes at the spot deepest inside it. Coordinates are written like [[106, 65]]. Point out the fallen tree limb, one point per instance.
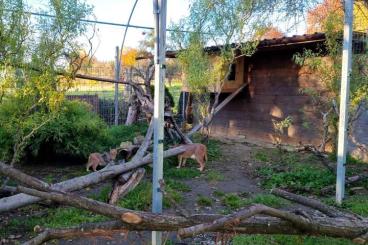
[[77, 183], [312, 203], [122, 186], [86, 230], [343, 226], [349, 180], [209, 119]]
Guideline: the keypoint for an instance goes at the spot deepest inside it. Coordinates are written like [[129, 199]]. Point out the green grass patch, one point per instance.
[[287, 240], [182, 173], [121, 133], [204, 201], [357, 204], [261, 156], [177, 185], [298, 179], [218, 193], [102, 195], [213, 175], [54, 218], [141, 197], [235, 201], [298, 172]]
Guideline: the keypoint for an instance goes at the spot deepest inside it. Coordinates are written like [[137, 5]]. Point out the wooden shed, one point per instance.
[[273, 93]]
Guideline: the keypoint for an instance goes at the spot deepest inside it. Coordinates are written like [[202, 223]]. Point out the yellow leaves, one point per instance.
[[360, 16], [129, 57], [329, 16]]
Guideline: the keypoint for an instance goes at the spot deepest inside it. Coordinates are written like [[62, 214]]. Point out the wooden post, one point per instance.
[[116, 97], [344, 100], [159, 10]]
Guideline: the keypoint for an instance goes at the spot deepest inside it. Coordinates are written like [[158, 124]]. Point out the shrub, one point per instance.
[[76, 131]]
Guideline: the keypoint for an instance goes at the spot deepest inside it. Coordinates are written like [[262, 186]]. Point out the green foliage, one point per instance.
[[287, 240], [204, 201], [299, 178], [182, 173], [218, 193], [235, 201], [139, 198], [54, 218], [169, 99], [33, 54], [177, 185], [121, 133], [76, 131]]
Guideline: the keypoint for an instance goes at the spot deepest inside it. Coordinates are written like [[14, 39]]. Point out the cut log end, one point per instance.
[[131, 218]]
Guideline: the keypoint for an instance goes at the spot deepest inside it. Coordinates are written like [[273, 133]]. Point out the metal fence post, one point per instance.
[[159, 10], [117, 78], [344, 100]]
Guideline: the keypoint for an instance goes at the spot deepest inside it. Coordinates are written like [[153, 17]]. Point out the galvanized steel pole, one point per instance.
[[344, 100], [159, 11]]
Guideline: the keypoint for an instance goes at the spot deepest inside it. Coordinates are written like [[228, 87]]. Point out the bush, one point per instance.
[[76, 131]]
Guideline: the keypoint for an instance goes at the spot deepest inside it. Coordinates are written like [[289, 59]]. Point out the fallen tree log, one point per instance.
[[349, 180], [287, 222], [124, 185], [77, 183], [346, 225]]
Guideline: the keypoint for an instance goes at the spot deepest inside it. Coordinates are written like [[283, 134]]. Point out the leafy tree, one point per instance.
[[39, 57], [326, 63], [321, 15], [234, 27]]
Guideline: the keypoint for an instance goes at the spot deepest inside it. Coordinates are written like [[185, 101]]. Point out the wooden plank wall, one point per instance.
[[275, 83]]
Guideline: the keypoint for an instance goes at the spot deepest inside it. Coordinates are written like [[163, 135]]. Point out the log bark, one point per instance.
[[86, 230], [123, 186], [77, 183], [343, 226], [315, 204], [349, 180]]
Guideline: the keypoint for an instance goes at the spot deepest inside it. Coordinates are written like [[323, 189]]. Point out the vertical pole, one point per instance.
[[159, 10], [117, 76], [344, 100]]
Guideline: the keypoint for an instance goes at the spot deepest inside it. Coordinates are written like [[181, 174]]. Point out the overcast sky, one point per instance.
[[108, 37]]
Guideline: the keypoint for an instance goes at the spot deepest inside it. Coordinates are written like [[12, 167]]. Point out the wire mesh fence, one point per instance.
[[101, 95]]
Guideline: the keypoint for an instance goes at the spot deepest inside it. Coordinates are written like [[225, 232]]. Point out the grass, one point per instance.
[[287, 240], [293, 171], [177, 185], [234, 201], [357, 204], [182, 173], [218, 193], [141, 197], [204, 201], [54, 218], [214, 176]]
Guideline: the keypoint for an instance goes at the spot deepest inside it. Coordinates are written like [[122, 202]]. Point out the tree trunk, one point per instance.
[[133, 111]]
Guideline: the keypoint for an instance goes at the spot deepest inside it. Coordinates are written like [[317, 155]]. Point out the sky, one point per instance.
[[117, 11]]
